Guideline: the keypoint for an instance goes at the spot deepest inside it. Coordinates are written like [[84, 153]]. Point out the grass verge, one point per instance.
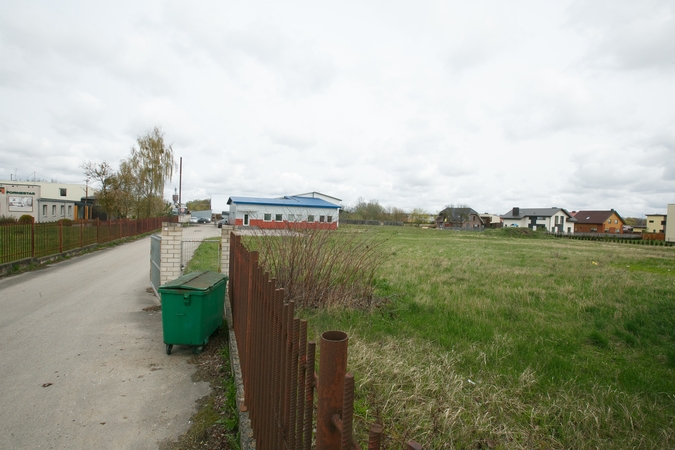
[[206, 257]]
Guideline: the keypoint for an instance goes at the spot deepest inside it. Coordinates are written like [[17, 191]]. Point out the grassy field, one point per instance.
[[206, 257], [486, 340]]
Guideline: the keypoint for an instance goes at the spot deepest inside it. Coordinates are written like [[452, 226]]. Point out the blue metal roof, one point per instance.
[[306, 202]]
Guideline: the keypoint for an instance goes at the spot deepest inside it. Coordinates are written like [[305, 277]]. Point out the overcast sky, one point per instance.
[[491, 104]]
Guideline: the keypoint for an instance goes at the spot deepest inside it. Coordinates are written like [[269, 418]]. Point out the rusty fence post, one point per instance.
[[375, 437], [330, 392]]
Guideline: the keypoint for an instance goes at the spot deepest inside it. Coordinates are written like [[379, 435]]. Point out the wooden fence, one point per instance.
[[19, 241], [277, 366]]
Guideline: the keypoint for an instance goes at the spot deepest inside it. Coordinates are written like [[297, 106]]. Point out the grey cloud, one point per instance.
[[291, 139], [627, 35]]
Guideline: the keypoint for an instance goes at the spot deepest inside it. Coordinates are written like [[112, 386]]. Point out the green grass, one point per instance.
[[495, 339], [205, 258]]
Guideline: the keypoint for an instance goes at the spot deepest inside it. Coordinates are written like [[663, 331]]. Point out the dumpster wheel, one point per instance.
[[169, 347]]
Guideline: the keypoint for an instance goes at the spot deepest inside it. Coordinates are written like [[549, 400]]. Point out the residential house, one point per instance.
[[606, 221], [491, 220], [310, 210], [656, 223], [554, 220], [459, 218]]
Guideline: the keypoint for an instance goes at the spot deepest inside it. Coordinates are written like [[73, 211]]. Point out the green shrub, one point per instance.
[[66, 222], [26, 219], [4, 219]]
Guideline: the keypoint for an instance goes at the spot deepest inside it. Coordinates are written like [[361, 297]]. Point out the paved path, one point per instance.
[[82, 366]]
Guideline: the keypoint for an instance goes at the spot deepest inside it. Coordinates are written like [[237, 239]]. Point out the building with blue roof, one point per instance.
[[310, 210]]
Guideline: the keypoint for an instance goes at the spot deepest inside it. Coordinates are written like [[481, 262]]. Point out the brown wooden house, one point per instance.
[[598, 222]]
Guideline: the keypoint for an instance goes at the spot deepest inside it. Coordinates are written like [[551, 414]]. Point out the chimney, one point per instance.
[[516, 211]]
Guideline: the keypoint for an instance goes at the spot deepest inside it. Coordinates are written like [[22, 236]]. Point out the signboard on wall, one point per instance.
[[20, 204]]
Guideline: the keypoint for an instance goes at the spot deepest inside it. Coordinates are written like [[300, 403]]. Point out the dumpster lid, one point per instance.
[[195, 281]]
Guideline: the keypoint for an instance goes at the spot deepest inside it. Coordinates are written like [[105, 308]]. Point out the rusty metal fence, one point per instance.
[[21, 241], [278, 367]]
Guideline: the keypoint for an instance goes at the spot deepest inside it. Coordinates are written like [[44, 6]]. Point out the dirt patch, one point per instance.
[[153, 308], [211, 427]]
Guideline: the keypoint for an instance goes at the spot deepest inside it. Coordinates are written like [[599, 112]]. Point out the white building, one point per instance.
[[311, 210], [670, 224], [554, 220], [45, 202]]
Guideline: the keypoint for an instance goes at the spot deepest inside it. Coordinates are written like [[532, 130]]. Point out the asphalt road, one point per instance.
[[82, 365]]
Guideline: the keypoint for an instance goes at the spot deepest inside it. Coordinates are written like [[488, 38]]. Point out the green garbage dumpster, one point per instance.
[[192, 308]]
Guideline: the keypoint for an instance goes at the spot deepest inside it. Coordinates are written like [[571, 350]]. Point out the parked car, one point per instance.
[[221, 222], [194, 219], [202, 220]]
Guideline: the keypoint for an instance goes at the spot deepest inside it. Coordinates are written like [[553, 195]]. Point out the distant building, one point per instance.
[[656, 223], [311, 210], [491, 220], [607, 221], [554, 220], [461, 218], [45, 202], [670, 226]]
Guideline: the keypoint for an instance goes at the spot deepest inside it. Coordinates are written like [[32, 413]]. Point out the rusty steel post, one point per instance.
[[375, 437], [309, 397], [282, 372], [412, 445], [330, 392], [347, 412], [292, 426], [268, 359], [289, 369], [302, 376], [278, 361]]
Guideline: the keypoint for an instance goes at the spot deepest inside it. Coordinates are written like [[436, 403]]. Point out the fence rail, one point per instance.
[[277, 366], [37, 240], [625, 238]]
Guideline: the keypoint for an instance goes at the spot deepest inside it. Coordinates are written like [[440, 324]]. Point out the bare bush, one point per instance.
[[321, 267]]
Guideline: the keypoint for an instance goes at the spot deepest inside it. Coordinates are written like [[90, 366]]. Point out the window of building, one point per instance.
[[616, 220], [53, 210], [651, 221], [44, 210], [63, 210], [70, 210], [609, 221], [279, 217], [310, 218], [322, 218], [291, 217], [267, 217], [62, 192], [329, 219]]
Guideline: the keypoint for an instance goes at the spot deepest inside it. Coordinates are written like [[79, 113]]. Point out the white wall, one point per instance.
[[670, 223], [257, 212]]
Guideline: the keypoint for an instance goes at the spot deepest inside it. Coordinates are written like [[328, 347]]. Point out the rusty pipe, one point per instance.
[[330, 392]]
